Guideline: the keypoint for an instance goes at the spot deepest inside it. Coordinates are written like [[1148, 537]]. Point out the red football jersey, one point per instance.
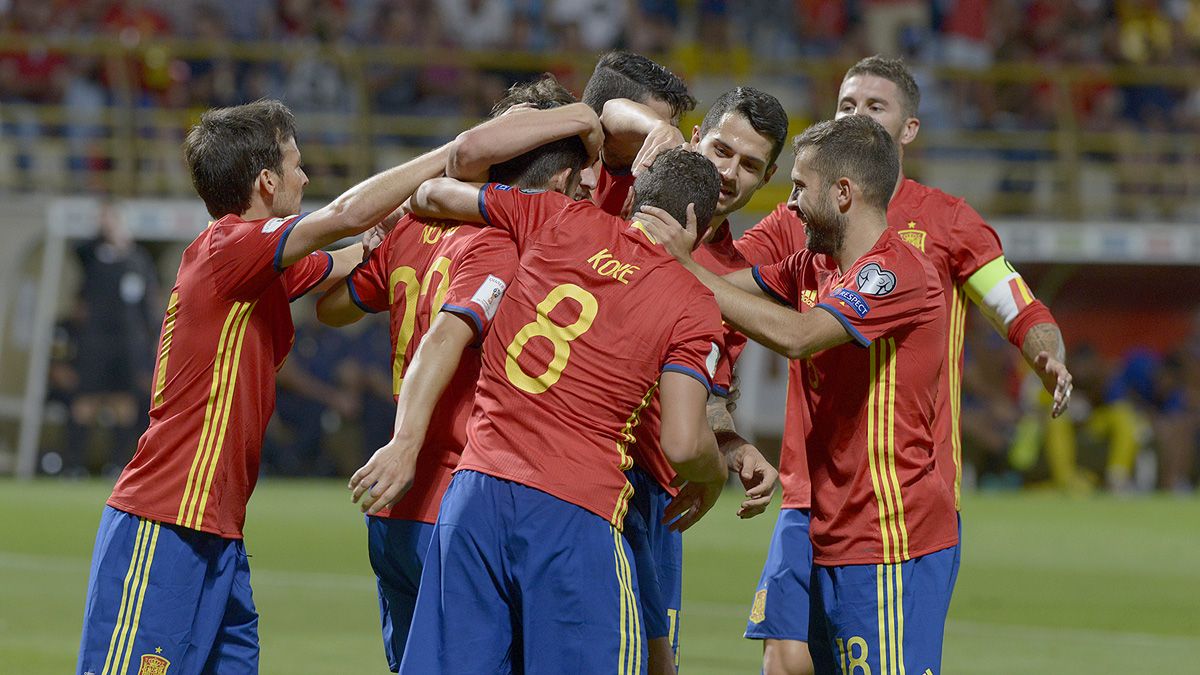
[[958, 242], [774, 238], [878, 497], [719, 256], [424, 267], [612, 187], [595, 314], [227, 330]]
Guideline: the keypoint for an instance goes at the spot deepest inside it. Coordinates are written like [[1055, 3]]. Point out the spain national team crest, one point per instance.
[[153, 664], [758, 611], [912, 235]]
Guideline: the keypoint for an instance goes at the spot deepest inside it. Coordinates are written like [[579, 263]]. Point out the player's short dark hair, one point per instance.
[[677, 178], [230, 146], [762, 110], [856, 147], [622, 74], [535, 168], [894, 71]]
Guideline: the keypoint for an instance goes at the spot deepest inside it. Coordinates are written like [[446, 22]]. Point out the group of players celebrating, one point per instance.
[[556, 280]]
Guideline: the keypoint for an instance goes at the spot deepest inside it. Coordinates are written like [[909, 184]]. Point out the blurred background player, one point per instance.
[[441, 283], [970, 260], [883, 529], [530, 526], [170, 579]]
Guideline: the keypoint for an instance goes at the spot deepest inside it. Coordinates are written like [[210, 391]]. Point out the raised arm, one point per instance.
[[634, 134], [449, 199], [513, 134], [362, 206], [388, 475]]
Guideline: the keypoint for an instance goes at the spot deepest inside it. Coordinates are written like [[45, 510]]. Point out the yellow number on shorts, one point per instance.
[[408, 322], [857, 663], [559, 336]]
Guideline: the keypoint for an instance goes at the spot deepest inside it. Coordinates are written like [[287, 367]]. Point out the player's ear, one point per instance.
[[267, 182], [561, 181], [908, 132], [627, 207], [843, 193], [768, 174], [696, 135]]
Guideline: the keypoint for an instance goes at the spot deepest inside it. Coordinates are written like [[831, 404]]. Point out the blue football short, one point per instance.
[[517, 580], [658, 556], [164, 597], [781, 603], [397, 549], [881, 618]]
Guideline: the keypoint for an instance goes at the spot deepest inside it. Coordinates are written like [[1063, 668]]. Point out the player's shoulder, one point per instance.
[[937, 202]]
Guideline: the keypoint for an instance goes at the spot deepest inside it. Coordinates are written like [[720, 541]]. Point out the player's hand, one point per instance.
[[386, 477], [758, 478], [693, 501], [372, 238], [1056, 379], [520, 107], [663, 137], [735, 392], [679, 241]]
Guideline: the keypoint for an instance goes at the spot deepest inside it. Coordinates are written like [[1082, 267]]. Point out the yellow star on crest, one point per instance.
[[158, 650]]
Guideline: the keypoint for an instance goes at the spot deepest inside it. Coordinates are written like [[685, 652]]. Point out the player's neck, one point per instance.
[[862, 233], [899, 181], [713, 229]]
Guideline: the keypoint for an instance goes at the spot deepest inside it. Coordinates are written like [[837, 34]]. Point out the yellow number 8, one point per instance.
[[559, 336]]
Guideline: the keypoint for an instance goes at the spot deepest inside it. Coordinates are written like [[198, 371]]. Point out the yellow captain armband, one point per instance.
[[1000, 292]]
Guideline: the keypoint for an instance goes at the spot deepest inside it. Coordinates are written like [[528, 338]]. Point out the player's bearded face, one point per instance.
[[824, 226]]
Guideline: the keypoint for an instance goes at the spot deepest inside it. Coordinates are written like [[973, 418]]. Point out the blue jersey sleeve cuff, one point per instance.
[[720, 391], [318, 282], [277, 263], [354, 294], [675, 368], [468, 313], [483, 204], [767, 288], [854, 333]]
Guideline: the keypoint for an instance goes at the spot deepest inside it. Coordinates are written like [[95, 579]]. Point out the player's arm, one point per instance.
[[448, 199], [361, 207], [515, 133], [690, 447], [388, 475], [344, 261], [742, 457], [780, 329], [1009, 305], [337, 308], [634, 134]]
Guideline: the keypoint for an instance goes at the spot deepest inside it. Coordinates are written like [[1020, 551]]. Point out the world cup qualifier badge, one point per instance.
[[758, 611], [153, 664]]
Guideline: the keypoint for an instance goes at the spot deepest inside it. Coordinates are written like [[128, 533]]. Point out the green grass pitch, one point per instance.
[[1049, 584]]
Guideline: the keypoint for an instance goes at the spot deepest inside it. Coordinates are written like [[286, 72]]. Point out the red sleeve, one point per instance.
[[888, 290], [696, 344], [782, 279], [612, 187], [368, 283], [976, 243], [519, 212], [306, 274], [774, 238], [246, 256], [479, 281]]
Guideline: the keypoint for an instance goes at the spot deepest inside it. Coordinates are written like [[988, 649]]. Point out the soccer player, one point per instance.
[[970, 262], [869, 323], [625, 76], [170, 580], [527, 568], [742, 135], [441, 283]]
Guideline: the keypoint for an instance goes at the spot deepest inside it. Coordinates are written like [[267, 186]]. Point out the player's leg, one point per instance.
[[464, 618], [657, 555], [397, 551], [235, 648], [886, 618], [780, 613], [157, 595], [578, 590]]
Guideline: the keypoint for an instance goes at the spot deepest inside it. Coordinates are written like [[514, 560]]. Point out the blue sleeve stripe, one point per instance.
[[277, 263], [483, 204], [354, 294], [767, 289], [858, 337], [467, 312], [675, 368], [720, 391], [318, 282]]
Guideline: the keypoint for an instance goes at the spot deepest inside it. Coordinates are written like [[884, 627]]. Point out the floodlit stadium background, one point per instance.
[[1071, 125]]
